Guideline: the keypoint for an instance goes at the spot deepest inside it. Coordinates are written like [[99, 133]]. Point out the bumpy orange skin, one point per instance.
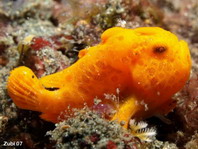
[[148, 65]]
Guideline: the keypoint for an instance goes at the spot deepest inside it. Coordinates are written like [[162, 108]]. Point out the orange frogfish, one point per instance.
[[148, 65]]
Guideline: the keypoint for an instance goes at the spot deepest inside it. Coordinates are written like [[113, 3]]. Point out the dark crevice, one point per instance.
[[52, 88]]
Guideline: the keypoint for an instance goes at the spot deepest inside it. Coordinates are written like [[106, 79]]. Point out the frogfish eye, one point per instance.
[[159, 49]]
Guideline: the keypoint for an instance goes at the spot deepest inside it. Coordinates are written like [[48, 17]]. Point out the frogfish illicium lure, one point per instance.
[[148, 65]]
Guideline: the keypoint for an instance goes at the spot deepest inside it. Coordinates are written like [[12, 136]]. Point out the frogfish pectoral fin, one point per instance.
[[127, 110], [24, 88]]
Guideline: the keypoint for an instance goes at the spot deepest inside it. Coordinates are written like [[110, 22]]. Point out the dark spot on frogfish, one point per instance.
[[159, 49]]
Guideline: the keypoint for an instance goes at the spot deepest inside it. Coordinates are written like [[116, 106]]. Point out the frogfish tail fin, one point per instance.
[[53, 80], [24, 88]]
